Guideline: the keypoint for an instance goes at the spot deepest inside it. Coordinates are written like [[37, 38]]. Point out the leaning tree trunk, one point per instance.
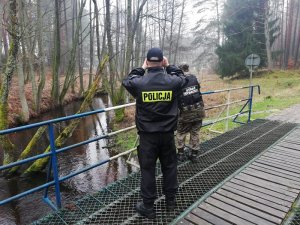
[[40, 164], [6, 81], [26, 152]]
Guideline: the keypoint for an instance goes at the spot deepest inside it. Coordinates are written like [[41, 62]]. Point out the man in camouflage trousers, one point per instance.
[[191, 114]]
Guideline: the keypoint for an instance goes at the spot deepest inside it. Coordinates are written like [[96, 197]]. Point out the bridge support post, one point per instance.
[[54, 167], [250, 103]]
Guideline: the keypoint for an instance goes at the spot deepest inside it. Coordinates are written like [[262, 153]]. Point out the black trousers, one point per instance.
[[155, 146]]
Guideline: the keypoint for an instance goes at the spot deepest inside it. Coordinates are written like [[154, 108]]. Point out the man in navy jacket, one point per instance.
[[156, 92]]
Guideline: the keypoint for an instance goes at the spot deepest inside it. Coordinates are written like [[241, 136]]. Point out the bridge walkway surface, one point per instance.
[[265, 191], [221, 157]]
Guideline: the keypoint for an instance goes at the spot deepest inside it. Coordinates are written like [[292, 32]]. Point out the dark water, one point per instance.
[[30, 208]]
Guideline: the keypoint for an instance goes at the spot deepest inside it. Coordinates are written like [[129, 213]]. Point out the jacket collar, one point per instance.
[[155, 69]]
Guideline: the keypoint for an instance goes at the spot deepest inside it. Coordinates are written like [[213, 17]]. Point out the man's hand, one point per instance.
[[165, 62], [144, 66]]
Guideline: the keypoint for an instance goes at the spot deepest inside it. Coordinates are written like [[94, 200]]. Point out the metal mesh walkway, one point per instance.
[[222, 156]]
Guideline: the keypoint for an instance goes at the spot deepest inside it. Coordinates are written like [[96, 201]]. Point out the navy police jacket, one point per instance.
[[156, 95]]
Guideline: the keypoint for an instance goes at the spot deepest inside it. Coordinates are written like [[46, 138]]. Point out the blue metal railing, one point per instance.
[[53, 167]]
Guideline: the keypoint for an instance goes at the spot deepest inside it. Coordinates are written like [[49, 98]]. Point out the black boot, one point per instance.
[[180, 155], [146, 211], [193, 157], [170, 204]]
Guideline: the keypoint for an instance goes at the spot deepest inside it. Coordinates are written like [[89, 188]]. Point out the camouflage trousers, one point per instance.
[[193, 128]]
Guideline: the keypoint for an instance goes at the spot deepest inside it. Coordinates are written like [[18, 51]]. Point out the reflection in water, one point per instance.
[[31, 208]]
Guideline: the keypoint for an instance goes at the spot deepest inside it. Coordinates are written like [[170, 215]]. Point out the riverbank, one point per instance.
[[14, 103]]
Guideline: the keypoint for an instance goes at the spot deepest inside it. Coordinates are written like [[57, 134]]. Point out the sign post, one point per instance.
[[252, 62]]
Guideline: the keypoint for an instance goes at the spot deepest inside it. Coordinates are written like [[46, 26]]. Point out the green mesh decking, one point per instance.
[[222, 156], [296, 218]]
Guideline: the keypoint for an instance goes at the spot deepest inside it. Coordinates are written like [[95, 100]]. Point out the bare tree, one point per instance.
[[131, 29], [267, 35], [56, 55], [6, 81], [70, 73], [110, 46], [41, 56], [179, 31], [92, 24]]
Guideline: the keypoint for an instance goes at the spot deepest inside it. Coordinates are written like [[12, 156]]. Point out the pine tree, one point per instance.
[[243, 24]]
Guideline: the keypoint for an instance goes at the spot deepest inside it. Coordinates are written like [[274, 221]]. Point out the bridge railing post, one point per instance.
[[227, 111], [54, 165], [250, 103]]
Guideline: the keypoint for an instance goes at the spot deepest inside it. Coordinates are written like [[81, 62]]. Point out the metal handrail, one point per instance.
[[53, 153]]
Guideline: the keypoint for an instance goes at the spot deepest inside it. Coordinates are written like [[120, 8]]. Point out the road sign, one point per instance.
[[252, 61]]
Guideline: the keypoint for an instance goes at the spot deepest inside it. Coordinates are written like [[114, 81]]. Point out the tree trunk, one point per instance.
[[0, 45], [159, 26], [10, 66], [5, 42], [80, 58], [41, 56], [138, 40], [296, 27], [97, 29], [64, 37], [129, 36], [218, 23], [164, 26], [110, 47], [282, 37], [92, 23], [131, 28], [24, 105], [290, 12], [69, 78], [56, 55], [179, 31], [267, 36], [297, 50], [40, 164], [171, 30], [145, 34], [25, 154], [118, 29]]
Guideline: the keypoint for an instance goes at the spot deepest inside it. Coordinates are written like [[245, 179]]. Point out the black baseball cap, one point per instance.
[[155, 55]]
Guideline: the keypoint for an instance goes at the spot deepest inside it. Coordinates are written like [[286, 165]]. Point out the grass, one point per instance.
[[279, 90], [125, 140]]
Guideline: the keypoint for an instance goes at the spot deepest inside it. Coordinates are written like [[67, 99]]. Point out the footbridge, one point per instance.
[[248, 175]]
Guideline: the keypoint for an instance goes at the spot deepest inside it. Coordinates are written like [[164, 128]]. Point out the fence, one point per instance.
[[53, 167]]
